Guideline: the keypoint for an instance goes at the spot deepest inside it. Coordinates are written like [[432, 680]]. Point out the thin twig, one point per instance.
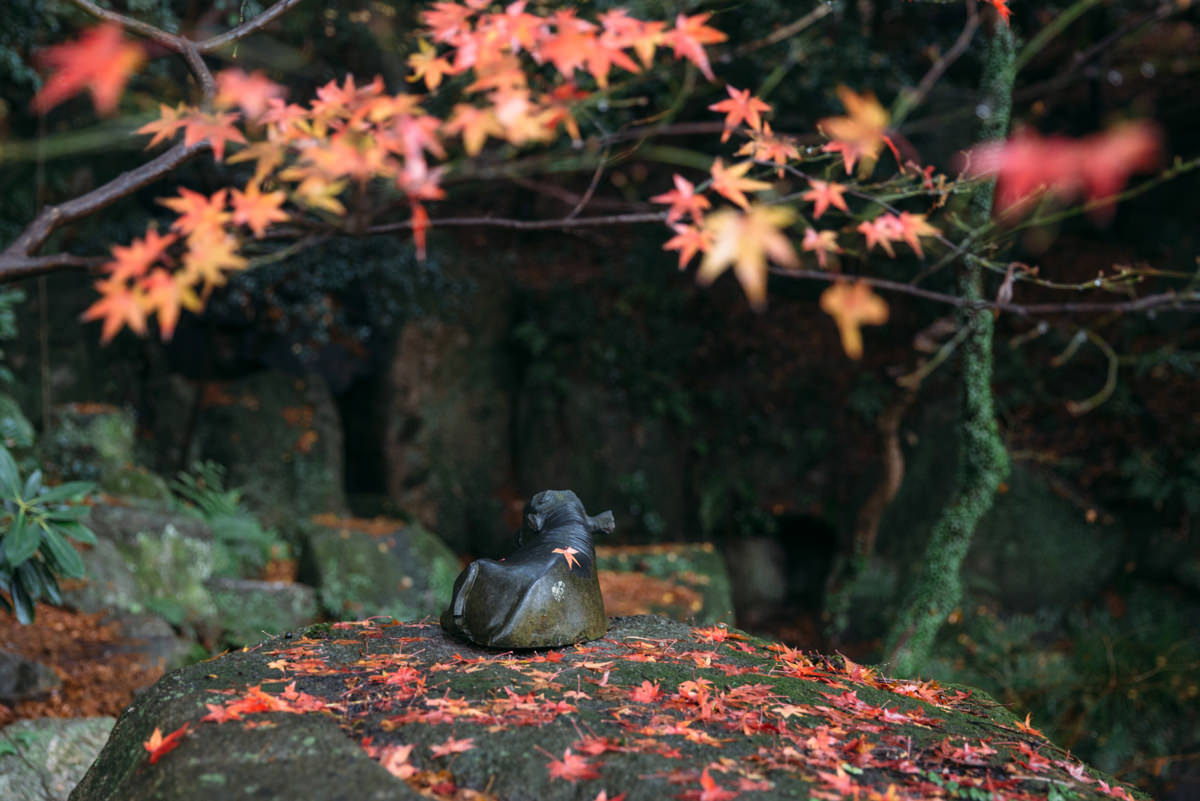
[[246, 28], [787, 31], [910, 100], [591, 190]]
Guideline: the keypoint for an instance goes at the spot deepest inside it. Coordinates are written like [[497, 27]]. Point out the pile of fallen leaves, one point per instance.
[[99, 670]]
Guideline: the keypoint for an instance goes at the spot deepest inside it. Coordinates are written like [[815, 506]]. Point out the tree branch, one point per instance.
[[16, 257], [246, 28]]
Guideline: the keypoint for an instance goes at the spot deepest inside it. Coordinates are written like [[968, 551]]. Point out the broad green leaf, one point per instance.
[[10, 477], [32, 484], [22, 604], [76, 531], [66, 514], [30, 579], [66, 492], [53, 592], [69, 562], [22, 540]]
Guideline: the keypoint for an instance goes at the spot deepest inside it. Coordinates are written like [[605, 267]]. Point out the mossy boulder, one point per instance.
[[280, 439], [43, 760], [250, 611], [683, 581], [654, 709], [364, 567], [96, 442]]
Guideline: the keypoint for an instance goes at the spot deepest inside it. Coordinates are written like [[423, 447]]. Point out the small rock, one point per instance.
[[21, 678]]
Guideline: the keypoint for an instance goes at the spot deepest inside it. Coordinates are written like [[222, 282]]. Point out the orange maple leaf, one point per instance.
[[825, 194], [475, 125], [118, 306], [251, 92], [732, 183], [169, 121], [135, 259], [688, 240], [745, 241], [453, 746], [197, 212], [158, 745], [100, 61], [428, 66], [1002, 9], [216, 128], [209, 255], [168, 296], [852, 306], [256, 210], [711, 791], [647, 693], [568, 554], [740, 107], [822, 243], [395, 761], [572, 767], [765, 146], [861, 134], [683, 200], [688, 38]]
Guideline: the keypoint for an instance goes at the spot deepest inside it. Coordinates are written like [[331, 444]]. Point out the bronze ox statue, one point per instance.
[[546, 593]]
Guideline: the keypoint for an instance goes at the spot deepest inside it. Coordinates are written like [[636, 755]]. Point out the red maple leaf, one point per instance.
[[252, 92], [825, 194], [100, 61], [646, 694], [572, 767], [740, 107], [216, 128], [683, 200], [158, 745], [118, 306], [688, 38], [256, 210]]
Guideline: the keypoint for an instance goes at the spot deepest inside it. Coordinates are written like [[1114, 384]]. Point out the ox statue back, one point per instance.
[[546, 593]]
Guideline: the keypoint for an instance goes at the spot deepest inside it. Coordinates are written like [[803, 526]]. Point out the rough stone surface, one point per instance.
[[320, 713], [250, 611], [280, 438], [691, 581], [43, 760], [22, 678], [363, 568]]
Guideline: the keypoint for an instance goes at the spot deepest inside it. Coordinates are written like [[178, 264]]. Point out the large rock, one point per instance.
[[377, 567], [22, 678], [95, 442], [43, 760], [655, 709], [280, 438], [250, 611]]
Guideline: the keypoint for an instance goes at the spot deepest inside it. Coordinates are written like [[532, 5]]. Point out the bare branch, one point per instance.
[[246, 28], [526, 225], [17, 255], [29, 266], [911, 99]]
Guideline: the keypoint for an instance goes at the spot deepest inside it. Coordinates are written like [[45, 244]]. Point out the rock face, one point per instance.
[[376, 567], [655, 709], [43, 760]]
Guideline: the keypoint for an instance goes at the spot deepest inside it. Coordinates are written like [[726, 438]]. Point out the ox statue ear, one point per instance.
[[534, 521], [603, 523]]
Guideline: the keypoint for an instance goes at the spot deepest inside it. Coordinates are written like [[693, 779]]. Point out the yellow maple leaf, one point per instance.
[[852, 306], [746, 240]]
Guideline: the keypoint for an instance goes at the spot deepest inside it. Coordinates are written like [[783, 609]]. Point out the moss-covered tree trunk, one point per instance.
[[982, 460]]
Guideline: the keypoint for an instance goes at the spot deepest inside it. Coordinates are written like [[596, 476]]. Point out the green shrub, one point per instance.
[[35, 526]]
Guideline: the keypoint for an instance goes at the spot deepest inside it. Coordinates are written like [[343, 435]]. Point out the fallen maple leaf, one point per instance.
[[852, 306], [711, 791], [158, 745], [647, 693], [568, 554], [745, 241], [572, 768], [394, 759], [453, 746], [100, 61]]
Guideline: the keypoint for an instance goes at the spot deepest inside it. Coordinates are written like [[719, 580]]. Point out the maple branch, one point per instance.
[[911, 99], [525, 225], [246, 28], [15, 260], [29, 266]]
